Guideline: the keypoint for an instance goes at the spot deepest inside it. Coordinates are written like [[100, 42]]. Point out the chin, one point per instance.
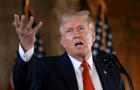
[[81, 53]]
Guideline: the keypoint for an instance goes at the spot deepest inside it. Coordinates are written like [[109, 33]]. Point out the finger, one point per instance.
[[37, 27], [22, 20], [29, 25], [17, 22]]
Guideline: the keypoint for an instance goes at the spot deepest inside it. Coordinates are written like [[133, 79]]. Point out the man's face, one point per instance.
[[76, 37]]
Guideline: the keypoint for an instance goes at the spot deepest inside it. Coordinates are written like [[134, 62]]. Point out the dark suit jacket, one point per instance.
[[57, 73]]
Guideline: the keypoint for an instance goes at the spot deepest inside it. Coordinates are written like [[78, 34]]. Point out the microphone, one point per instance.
[[111, 59]]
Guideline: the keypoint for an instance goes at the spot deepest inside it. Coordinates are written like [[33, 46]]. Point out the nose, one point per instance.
[[76, 34]]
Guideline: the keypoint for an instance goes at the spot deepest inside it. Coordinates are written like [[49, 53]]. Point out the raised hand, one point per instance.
[[25, 31]]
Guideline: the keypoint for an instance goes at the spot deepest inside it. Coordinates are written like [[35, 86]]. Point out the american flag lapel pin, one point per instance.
[[105, 72]]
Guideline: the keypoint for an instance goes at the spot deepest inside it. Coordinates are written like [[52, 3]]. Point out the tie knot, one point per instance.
[[84, 64]]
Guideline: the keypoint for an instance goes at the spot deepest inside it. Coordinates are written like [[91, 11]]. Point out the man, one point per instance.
[[76, 69]]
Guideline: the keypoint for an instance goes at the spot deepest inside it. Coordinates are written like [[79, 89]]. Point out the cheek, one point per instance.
[[66, 42], [89, 40]]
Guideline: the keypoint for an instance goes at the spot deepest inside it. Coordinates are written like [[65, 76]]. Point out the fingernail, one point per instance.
[[23, 15], [40, 22], [15, 15], [32, 17]]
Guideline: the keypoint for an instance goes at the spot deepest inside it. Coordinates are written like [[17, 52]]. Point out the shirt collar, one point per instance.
[[76, 63]]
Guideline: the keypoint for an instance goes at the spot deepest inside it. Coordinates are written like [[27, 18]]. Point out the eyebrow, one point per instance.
[[80, 25]]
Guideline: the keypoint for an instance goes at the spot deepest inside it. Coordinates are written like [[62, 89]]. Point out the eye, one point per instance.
[[81, 28], [69, 30]]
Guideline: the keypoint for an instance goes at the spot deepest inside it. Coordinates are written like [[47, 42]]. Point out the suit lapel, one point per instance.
[[102, 72], [68, 72]]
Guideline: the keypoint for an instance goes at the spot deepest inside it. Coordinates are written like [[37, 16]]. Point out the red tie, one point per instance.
[[87, 82]]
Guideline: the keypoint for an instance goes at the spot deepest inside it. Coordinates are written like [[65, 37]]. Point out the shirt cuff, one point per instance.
[[26, 56]]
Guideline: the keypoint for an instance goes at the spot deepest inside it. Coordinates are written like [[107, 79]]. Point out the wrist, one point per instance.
[[26, 47]]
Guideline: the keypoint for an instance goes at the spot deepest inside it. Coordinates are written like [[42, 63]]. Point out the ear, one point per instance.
[[62, 40], [93, 37]]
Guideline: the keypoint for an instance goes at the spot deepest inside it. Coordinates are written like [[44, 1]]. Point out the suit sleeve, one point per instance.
[[23, 74], [41, 75]]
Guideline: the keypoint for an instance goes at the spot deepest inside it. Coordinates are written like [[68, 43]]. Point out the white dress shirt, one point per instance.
[[25, 56], [93, 73], [77, 67]]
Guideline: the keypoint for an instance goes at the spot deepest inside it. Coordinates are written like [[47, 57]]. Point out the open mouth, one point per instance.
[[79, 44]]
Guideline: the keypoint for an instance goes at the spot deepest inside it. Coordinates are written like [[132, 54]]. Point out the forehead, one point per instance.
[[75, 22]]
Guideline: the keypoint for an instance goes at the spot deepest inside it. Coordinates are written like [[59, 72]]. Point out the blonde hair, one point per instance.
[[82, 14]]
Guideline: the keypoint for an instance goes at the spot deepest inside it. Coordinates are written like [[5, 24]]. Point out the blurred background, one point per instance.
[[124, 22]]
